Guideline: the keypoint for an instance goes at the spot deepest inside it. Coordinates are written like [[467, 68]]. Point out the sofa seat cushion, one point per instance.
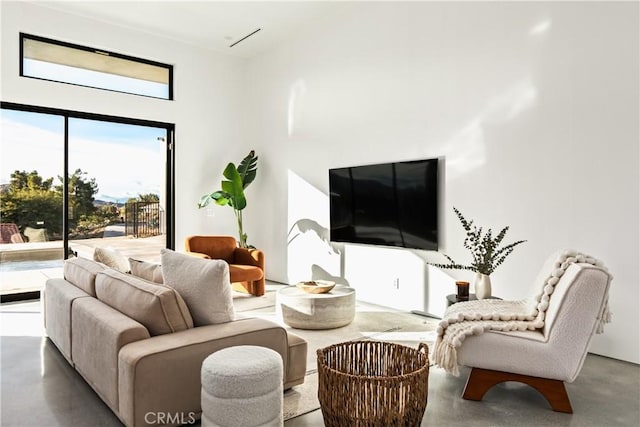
[[204, 285], [159, 308], [244, 273], [82, 272]]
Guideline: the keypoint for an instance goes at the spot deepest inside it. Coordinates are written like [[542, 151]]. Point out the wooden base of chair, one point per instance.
[[481, 380]]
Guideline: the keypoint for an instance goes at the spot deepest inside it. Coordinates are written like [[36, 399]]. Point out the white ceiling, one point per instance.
[[213, 25]]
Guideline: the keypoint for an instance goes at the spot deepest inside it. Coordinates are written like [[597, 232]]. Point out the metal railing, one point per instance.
[[143, 219]]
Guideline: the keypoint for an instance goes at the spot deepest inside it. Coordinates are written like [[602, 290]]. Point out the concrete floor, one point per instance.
[[39, 388], [606, 393]]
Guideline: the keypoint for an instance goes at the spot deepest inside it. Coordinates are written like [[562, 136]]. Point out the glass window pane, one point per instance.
[[116, 195], [51, 60], [31, 221], [117, 187]]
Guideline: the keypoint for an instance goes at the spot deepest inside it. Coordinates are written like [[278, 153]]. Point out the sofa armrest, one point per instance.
[[253, 257], [170, 365], [98, 334], [199, 255], [58, 297]]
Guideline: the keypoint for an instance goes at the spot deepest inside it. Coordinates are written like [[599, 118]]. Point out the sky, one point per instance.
[[125, 160]]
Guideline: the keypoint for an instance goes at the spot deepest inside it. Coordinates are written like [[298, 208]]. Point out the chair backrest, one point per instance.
[[574, 312], [217, 247], [550, 264], [7, 230]]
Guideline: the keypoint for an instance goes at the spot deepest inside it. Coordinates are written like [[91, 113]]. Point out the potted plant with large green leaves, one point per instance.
[[232, 194], [486, 252]]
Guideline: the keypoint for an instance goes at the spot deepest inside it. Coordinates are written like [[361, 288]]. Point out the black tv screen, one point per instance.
[[391, 204]]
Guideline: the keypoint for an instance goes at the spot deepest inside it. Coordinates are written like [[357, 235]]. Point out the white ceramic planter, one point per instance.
[[482, 285]]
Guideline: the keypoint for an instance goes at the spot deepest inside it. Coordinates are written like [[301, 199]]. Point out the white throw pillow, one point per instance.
[[203, 284], [112, 258], [146, 270]]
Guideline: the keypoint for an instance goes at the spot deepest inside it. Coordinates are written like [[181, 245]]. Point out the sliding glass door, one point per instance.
[[117, 187], [31, 199], [71, 182]]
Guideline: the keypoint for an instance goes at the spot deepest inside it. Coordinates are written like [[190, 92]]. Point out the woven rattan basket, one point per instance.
[[373, 383]]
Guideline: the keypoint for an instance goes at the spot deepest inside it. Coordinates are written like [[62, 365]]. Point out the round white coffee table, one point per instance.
[[316, 311]]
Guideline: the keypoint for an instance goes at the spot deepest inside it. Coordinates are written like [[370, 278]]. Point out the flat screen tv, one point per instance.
[[391, 204]]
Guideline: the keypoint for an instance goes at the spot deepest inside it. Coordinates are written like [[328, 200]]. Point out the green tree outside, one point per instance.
[[32, 207], [31, 201], [149, 197], [22, 180]]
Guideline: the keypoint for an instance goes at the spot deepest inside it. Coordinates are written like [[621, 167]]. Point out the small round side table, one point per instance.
[[316, 311], [453, 298]]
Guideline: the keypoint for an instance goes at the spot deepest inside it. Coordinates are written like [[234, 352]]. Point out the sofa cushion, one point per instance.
[[204, 285], [82, 272], [36, 234], [159, 308], [146, 270], [112, 258]]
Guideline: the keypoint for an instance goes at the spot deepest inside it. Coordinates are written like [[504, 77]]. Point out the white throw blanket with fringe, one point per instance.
[[475, 317]]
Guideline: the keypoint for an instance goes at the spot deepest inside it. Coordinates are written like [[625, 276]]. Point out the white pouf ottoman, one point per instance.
[[242, 386]]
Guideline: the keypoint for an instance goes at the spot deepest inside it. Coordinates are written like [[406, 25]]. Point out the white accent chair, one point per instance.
[[544, 359]]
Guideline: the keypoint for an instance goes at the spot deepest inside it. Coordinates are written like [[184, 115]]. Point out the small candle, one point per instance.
[[463, 291]]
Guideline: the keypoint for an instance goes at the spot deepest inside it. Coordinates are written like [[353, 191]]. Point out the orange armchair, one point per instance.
[[246, 266]]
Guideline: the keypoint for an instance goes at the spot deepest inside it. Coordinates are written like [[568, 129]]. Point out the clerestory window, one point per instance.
[[63, 62]]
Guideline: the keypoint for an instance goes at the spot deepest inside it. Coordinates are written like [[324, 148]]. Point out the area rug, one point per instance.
[[245, 302], [371, 322], [303, 398]]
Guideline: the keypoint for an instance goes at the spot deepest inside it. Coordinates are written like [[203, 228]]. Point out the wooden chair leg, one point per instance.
[[481, 380], [249, 287]]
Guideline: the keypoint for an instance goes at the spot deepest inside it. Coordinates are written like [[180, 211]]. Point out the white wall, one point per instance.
[[206, 109], [534, 107]]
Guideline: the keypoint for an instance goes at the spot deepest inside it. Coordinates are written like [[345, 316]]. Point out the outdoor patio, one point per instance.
[[27, 266]]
